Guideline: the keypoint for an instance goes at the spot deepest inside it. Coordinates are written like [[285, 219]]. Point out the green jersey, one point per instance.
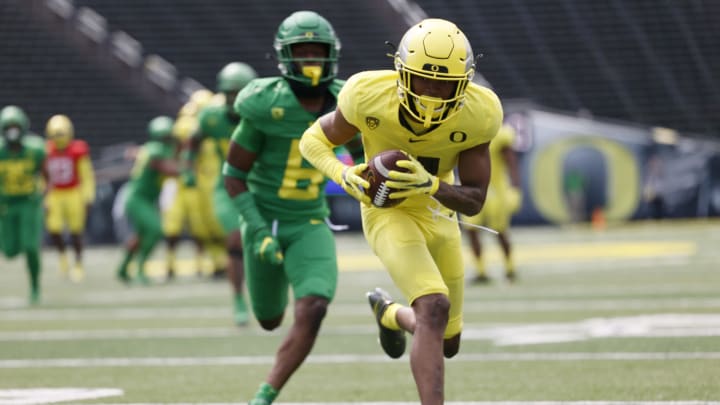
[[284, 184], [218, 124], [21, 170], [146, 182]]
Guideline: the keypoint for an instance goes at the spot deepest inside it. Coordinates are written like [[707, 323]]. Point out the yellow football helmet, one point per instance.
[[60, 130], [185, 127], [197, 101], [434, 49]]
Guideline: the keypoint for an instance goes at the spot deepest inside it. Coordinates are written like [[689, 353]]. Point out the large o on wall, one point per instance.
[[622, 178]]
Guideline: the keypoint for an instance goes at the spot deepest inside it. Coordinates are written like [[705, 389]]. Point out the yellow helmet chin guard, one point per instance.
[[434, 49], [60, 130]]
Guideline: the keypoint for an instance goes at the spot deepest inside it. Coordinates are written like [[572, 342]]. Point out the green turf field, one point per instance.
[[628, 314]]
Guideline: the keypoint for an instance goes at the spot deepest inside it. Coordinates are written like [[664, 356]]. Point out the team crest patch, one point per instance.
[[277, 113], [372, 122]]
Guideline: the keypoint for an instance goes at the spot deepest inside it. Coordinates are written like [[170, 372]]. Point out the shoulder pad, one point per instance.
[[259, 95]]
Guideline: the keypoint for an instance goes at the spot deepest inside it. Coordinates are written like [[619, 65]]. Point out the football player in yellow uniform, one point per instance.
[[71, 190], [185, 207], [429, 108], [503, 200]]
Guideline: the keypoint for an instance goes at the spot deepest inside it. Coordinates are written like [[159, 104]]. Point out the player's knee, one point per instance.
[[451, 346], [433, 310], [270, 324], [235, 252], [311, 311]]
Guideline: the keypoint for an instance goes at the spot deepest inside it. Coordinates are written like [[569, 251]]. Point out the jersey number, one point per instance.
[[299, 183]]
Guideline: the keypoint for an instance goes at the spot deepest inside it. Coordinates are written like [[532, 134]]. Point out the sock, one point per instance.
[[389, 318], [509, 265], [170, 261], [64, 265], [480, 266], [266, 394], [199, 263], [125, 262], [33, 263]]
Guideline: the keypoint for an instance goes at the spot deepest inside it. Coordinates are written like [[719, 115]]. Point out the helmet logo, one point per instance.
[[309, 34], [435, 68], [277, 113], [372, 122]]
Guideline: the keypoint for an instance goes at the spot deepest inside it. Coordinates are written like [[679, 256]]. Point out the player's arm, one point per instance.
[[511, 162], [167, 166], [86, 174], [238, 164], [317, 144], [474, 175]]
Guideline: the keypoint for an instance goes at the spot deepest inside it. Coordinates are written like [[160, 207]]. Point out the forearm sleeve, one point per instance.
[[245, 205], [318, 150]]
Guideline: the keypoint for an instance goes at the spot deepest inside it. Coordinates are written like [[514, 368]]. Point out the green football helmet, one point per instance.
[[161, 128], [13, 117], [434, 49], [234, 76], [306, 27]]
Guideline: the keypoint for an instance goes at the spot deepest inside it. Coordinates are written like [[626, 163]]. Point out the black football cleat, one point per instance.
[[392, 341]]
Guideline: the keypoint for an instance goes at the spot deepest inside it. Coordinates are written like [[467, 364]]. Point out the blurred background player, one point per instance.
[[22, 157], [504, 198], [217, 123], [281, 197], [183, 206], [154, 162], [71, 190]]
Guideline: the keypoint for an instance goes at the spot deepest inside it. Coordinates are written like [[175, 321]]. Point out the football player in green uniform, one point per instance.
[[281, 197], [154, 162], [217, 123], [22, 157], [429, 108]]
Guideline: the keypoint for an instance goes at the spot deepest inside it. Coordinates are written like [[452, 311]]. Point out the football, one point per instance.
[[377, 174]]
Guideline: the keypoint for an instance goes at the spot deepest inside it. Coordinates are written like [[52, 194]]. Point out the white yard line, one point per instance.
[[458, 403], [341, 359]]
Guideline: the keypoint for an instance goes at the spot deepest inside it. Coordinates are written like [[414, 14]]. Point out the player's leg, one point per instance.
[[76, 216], [199, 231], [500, 221], [476, 247], [400, 244], [145, 219], [230, 219], [268, 292], [236, 275], [173, 218], [54, 225], [31, 227], [311, 268]]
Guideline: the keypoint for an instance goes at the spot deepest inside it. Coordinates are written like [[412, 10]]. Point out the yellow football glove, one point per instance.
[[415, 181], [262, 243], [354, 184]]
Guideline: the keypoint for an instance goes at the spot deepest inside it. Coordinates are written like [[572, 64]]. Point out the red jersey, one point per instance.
[[62, 165]]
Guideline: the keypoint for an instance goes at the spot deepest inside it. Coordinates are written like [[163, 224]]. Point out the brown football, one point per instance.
[[377, 174]]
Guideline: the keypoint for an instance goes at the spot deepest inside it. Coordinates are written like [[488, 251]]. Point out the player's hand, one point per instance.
[[415, 181], [354, 184], [267, 248]]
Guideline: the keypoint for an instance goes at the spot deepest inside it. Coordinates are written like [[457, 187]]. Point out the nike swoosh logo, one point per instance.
[[315, 222], [413, 140]]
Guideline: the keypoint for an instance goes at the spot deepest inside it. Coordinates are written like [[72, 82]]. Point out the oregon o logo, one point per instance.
[[458, 136], [622, 178]]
